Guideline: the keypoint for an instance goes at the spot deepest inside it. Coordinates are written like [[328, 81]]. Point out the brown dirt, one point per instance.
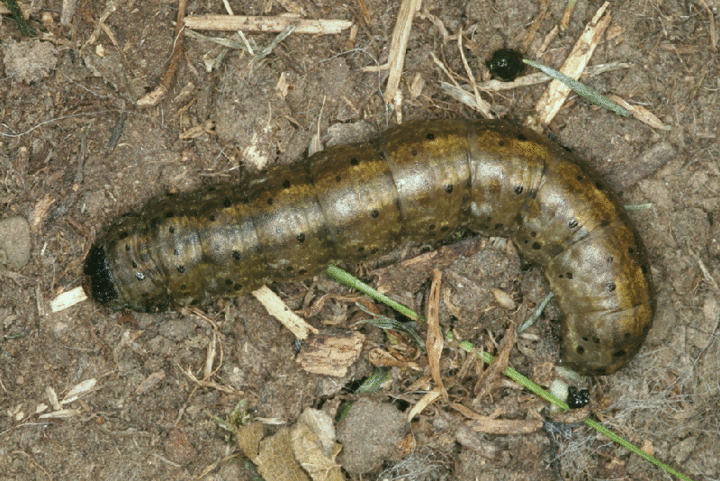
[[146, 419]]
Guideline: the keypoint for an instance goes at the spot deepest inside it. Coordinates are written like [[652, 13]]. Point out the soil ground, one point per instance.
[[146, 419]]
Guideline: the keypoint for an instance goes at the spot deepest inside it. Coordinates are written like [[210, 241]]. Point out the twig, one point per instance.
[[640, 113], [265, 24], [398, 46], [277, 308], [435, 337], [110, 7], [461, 95], [444, 69], [484, 107], [156, 95]]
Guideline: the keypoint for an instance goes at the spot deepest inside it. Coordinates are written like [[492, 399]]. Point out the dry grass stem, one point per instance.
[[554, 97], [435, 340], [154, 97], [640, 113], [252, 24], [483, 107], [424, 402], [463, 94], [398, 45]]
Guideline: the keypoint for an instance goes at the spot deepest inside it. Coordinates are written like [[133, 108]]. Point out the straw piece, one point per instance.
[[265, 24], [398, 45], [554, 97]]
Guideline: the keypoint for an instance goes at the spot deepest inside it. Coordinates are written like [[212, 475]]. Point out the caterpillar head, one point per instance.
[[99, 282]]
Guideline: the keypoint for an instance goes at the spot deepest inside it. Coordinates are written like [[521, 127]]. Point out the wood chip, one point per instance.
[[40, 211], [331, 354], [314, 445], [68, 299], [277, 308]]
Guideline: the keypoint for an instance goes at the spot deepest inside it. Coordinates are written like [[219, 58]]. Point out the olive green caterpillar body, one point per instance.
[[417, 182]]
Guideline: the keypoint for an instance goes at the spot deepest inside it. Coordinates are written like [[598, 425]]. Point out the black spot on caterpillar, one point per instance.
[[416, 182]]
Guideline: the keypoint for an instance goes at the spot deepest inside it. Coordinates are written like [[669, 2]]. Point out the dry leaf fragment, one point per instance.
[[276, 461], [79, 390], [315, 447], [248, 439]]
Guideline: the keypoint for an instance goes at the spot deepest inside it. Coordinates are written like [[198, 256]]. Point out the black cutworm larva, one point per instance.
[[417, 182]]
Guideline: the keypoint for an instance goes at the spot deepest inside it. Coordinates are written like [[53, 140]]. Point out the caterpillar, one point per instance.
[[420, 181]]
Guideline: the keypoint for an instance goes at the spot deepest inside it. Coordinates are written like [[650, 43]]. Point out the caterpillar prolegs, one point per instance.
[[417, 182]]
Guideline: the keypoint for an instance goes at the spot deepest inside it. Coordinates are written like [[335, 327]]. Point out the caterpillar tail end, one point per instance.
[[599, 343], [99, 282]]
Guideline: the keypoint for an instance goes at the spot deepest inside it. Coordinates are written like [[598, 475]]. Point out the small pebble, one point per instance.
[[14, 242]]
